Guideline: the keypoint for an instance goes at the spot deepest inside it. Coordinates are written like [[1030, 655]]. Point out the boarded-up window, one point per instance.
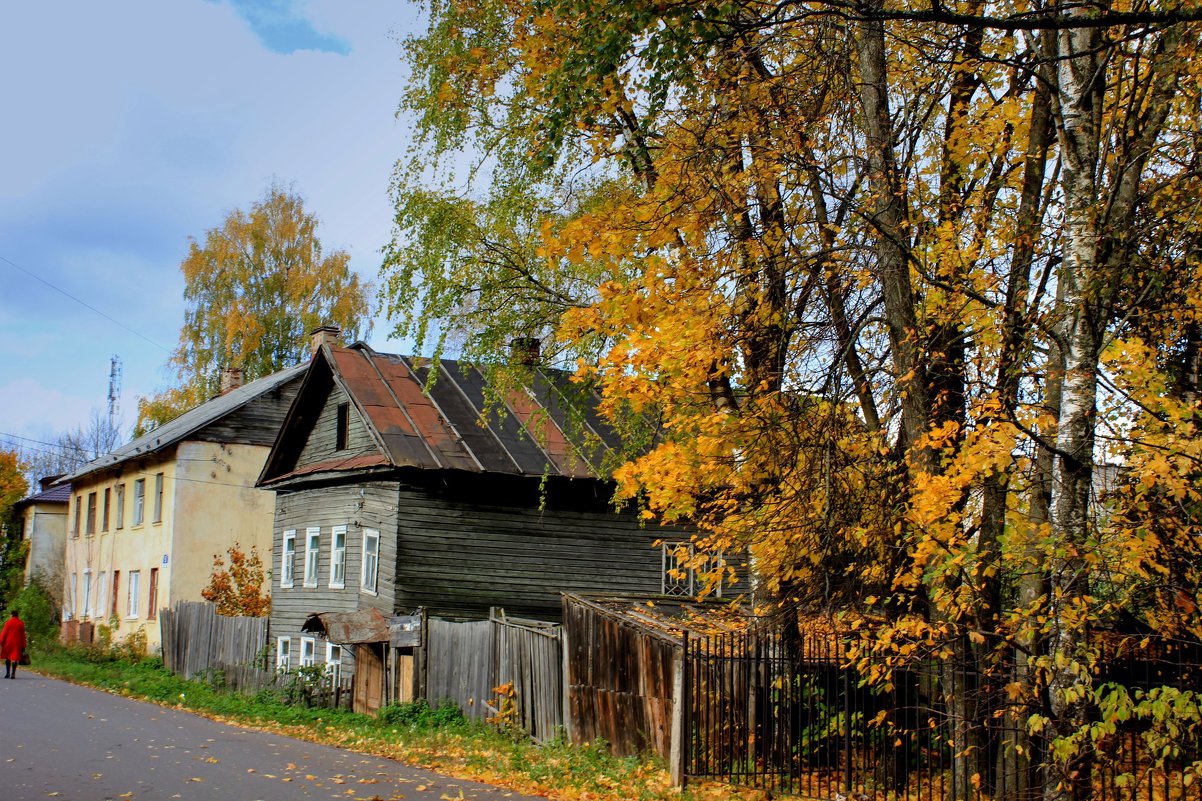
[[116, 593], [104, 517], [158, 498], [91, 513], [120, 506], [153, 603]]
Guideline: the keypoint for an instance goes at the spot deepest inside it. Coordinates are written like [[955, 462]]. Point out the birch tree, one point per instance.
[[883, 273]]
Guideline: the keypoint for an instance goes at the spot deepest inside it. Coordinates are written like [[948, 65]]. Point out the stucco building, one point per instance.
[[144, 522], [43, 525]]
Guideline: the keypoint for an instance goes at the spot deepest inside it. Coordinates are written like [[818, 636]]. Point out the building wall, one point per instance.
[[358, 506], [216, 505], [142, 546], [208, 503], [320, 445], [44, 526], [459, 556]]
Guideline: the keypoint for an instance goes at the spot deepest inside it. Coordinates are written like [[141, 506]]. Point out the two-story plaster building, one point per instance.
[[145, 521]]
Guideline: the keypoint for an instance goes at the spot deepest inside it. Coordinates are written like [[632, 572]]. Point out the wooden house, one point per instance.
[[399, 494]]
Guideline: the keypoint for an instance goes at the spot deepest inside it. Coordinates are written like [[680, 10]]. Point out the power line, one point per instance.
[[59, 445], [86, 305]]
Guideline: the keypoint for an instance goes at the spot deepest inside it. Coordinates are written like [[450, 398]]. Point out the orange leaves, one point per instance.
[[254, 287], [238, 590]]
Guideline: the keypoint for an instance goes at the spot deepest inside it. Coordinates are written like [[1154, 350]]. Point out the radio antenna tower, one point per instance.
[[114, 391]]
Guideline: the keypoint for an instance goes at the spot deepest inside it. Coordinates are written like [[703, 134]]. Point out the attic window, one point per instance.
[[341, 425]]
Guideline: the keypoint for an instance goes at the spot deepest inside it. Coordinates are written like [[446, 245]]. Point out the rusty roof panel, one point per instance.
[[448, 427], [477, 436], [526, 454], [334, 466], [349, 628], [438, 432]]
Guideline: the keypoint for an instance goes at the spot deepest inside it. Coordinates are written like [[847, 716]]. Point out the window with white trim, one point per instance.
[[334, 662], [132, 610], [288, 559], [338, 557], [283, 654], [371, 561], [308, 654], [312, 551], [687, 569], [98, 597], [87, 591], [139, 501]]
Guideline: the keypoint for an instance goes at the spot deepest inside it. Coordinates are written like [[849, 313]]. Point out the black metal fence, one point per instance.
[[799, 717]]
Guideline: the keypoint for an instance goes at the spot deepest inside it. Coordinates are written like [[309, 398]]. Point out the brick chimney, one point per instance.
[[323, 335], [231, 379], [525, 350]]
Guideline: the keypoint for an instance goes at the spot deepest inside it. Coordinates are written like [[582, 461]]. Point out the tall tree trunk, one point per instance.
[[1079, 328], [1014, 776]]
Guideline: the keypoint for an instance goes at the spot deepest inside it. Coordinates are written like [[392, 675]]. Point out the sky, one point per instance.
[[131, 126]]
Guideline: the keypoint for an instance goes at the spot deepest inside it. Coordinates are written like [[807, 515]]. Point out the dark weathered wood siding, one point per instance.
[[358, 506], [620, 681], [320, 445], [458, 558], [256, 422]]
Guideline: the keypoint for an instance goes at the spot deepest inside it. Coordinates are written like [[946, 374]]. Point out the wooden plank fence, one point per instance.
[[196, 638], [467, 661]]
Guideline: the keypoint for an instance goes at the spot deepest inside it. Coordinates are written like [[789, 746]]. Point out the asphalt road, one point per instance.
[[71, 743]]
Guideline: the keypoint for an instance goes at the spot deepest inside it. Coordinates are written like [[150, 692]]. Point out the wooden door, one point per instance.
[[369, 678]]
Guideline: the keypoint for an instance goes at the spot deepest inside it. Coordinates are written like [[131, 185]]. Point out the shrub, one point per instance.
[[37, 609], [420, 715]]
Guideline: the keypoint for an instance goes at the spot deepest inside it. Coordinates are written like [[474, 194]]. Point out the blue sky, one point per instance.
[[130, 126]]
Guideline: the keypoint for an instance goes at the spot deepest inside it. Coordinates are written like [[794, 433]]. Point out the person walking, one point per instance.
[[12, 643]]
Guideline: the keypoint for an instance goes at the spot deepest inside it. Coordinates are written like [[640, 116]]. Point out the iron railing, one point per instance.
[[799, 717]]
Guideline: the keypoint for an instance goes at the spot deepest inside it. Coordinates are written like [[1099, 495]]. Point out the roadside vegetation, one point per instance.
[[436, 737]]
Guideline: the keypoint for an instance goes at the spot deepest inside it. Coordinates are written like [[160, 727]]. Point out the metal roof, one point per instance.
[[547, 428], [59, 493], [188, 423], [348, 628]]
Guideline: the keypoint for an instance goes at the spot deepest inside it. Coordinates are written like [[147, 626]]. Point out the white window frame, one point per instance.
[[132, 591], [369, 573], [312, 554], [139, 515], [98, 602], [87, 592], [308, 652], [288, 559], [333, 665], [283, 654], [338, 557]]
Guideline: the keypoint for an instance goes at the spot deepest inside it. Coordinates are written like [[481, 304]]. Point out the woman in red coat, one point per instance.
[[12, 643]]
